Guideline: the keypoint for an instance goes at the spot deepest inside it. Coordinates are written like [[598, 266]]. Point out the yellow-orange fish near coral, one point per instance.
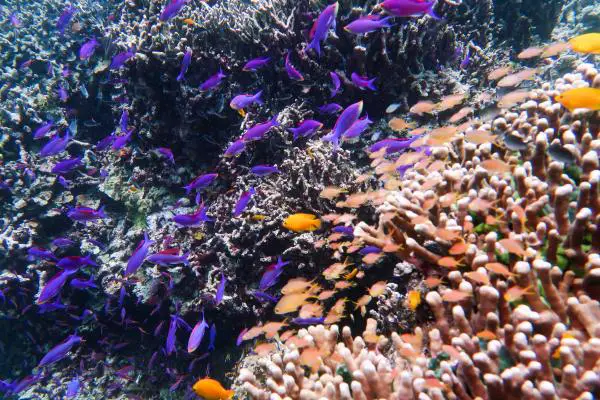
[[580, 98], [588, 43], [302, 222], [211, 389]]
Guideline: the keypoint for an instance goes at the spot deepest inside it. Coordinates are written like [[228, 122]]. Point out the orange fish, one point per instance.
[[498, 269], [588, 43], [479, 137], [301, 222], [432, 282], [341, 285], [513, 98], [331, 192], [499, 73], [189, 21], [455, 296], [398, 124], [495, 165], [311, 357], [264, 349], [512, 246], [363, 301], [460, 114], [296, 285], [378, 288], [423, 107], [211, 389], [584, 97], [487, 335], [351, 274], [413, 299], [291, 302], [530, 52], [516, 292], [450, 101], [253, 332], [478, 277], [555, 49]]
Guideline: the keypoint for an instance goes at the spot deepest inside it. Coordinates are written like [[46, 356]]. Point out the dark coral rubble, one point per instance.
[[125, 121]]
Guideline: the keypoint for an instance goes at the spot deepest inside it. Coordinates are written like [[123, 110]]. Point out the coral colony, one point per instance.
[[214, 199]]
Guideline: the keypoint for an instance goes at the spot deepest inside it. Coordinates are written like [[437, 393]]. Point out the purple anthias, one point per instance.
[[197, 334], [172, 9], [393, 145], [194, 219], [212, 82], [166, 153], [235, 148], [139, 255], [75, 262], [367, 24], [81, 284], [467, 59], [409, 8], [64, 182], [63, 242], [121, 58], [72, 388], [59, 351], [88, 48], [242, 101], [62, 93], [166, 258], [122, 140], [258, 131], [363, 82], [243, 201], [212, 337], [185, 63], [271, 274], [39, 253], [264, 297], [264, 170], [308, 321], [43, 129], [344, 121], [337, 83], [85, 214], [105, 143], [240, 337], [200, 182], [65, 18], [330, 108], [53, 286], [307, 128], [65, 166], [56, 145], [256, 63], [14, 20], [292, 72], [220, 289], [171, 336], [346, 230], [124, 120], [353, 133], [324, 22]]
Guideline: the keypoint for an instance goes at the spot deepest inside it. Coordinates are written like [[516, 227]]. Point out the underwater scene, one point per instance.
[[300, 199]]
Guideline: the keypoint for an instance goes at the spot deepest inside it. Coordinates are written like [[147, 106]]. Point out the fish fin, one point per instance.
[[385, 22], [432, 13], [315, 45], [242, 112], [101, 212], [274, 120], [371, 84], [258, 98], [184, 257]]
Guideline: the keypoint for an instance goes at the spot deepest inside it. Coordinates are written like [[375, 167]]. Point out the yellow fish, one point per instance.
[[302, 222], [580, 98], [414, 299], [588, 43], [259, 217], [211, 389], [189, 21]]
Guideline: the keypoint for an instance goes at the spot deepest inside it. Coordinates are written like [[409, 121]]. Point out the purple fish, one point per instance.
[[243, 201], [367, 24], [56, 145], [105, 143], [197, 335], [308, 321], [264, 170], [256, 63], [271, 274], [25, 64], [393, 145], [409, 8], [363, 82], [353, 133], [66, 166], [307, 128], [72, 388], [337, 83], [85, 214], [65, 18], [14, 20], [65, 72], [82, 285], [75, 262], [124, 120], [39, 253], [346, 230], [166, 258], [122, 140], [212, 337], [324, 22], [62, 93], [220, 289], [200, 182], [63, 242], [467, 59], [139, 254], [185, 64], [59, 351], [53, 286], [212, 82], [344, 121], [264, 297], [172, 9], [121, 58], [167, 153], [170, 344], [43, 129], [194, 219], [258, 131], [235, 148], [88, 48], [330, 108], [242, 101], [64, 182], [240, 337], [292, 72]]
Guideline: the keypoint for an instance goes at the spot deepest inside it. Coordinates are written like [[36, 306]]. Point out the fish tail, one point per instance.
[[188, 189], [385, 22], [179, 77], [371, 84], [274, 120], [101, 212], [315, 45], [258, 97], [184, 258], [432, 13]]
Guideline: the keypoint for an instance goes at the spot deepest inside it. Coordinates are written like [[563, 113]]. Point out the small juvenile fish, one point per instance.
[[65, 166], [167, 153], [235, 148], [367, 24], [588, 43], [307, 128], [302, 222], [185, 64], [210, 389], [256, 63], [363, 82], [212, 82], [88, 48], [584, 97], [335, 79], [243, 201], [242, 101], [292, 72], [258, 131], [264, 170]]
